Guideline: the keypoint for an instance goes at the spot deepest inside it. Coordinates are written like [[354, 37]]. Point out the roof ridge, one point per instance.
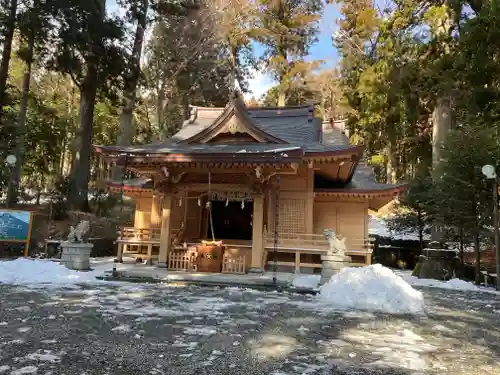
[[207, 108], [300, 106]]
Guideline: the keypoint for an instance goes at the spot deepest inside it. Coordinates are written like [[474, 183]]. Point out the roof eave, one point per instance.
[[353, 150], [381, 192], [281, 157]]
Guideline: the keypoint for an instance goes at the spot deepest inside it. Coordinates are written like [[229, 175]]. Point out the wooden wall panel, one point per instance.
[[292, 216], [193, 219], [347, 219], [142, 217], [293, 183], [325, 216], [351, 223], [156, 211]]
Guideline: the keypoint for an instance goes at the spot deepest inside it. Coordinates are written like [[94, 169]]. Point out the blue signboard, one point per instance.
[[15, 226]]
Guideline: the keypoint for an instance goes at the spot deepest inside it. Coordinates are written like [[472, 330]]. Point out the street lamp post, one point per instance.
[[490, 173], [10, 162]]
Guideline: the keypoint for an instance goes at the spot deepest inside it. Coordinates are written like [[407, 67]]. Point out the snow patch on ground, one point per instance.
[[453, 284], [123, 328], [4, 368], [25, 370], [306, 281], [199, 330], [371, 288], [24, 271], [46, 356]]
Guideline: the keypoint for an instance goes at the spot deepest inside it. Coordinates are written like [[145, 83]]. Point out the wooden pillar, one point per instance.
[[310, 202], [156, 211], [257, 234], [165, 230]]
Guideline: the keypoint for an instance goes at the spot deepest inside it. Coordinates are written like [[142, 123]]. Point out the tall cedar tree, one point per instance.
[[185, 65], [287, 28], [462, 196], [35, 25], [89, 50], [235, 22], [9, 25], [138, 14]]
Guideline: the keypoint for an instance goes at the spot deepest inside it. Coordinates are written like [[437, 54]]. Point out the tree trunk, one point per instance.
[[6, 52], [392, 163], [130, 90], [478, 258], [420, 229], [21, 126], [441, 125], [78, 197], [80, 173], [234, 55], [70, 154], [461, 250], [281, 99]]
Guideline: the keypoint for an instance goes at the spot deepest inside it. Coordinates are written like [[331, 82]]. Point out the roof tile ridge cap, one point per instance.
[[208, 108], [271, 108]]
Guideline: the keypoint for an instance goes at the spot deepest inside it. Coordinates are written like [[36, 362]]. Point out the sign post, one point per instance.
[[15, 227]]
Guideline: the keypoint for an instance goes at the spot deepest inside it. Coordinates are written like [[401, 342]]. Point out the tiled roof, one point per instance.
[[364, 179], [295, 125]]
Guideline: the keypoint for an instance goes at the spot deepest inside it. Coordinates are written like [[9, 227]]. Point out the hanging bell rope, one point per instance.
[[209, 205]]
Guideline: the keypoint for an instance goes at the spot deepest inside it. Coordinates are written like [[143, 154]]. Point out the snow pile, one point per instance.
[[455, 284], [306, 281], [372, 288], [458, 284], [35, 272]]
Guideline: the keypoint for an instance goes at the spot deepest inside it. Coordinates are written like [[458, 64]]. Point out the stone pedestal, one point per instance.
[[331, 265], [75, 255]]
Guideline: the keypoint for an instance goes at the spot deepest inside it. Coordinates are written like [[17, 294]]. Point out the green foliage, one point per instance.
[[416, 209], [184, 66], [463, 195], [296, 96], [287, 28]]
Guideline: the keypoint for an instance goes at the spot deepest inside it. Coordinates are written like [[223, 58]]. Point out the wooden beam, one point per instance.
[[215, 187]]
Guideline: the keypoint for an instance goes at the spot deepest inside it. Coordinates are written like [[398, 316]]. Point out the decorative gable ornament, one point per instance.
[[234, 127]]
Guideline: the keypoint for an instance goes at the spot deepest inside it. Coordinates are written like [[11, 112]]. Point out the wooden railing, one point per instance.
[[139, 234], [182, 260], [141, 243], [313, 242], [233, 263], [295, 250], [292, 248]]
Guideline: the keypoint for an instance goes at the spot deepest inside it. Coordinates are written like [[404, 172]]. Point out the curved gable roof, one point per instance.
[[237, 109]]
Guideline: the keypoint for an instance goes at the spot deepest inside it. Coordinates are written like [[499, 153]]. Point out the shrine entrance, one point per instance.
[[232, 220]]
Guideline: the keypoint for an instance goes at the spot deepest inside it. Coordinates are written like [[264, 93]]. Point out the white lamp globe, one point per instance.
[[11, 160], [489, 171]]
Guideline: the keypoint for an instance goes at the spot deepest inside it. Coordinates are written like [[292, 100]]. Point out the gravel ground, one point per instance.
[[158, 329]]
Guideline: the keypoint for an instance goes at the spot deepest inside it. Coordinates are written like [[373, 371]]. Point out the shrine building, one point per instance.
[[240, 189]]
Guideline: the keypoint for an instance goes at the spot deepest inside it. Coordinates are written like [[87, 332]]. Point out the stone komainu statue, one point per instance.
[[76, 234], [336, 245]]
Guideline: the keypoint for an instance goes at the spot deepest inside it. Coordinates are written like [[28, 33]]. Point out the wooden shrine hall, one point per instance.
[[237, 189]]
